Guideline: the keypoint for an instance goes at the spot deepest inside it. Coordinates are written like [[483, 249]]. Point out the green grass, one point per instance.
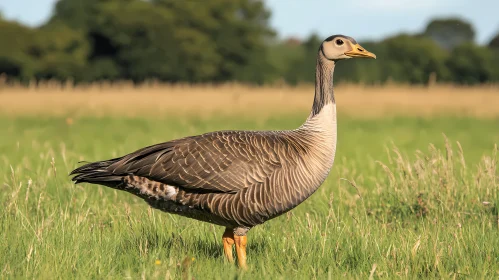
[[394, 206]]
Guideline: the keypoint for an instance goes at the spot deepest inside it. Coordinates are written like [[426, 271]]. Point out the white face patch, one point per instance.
[[332, 50]]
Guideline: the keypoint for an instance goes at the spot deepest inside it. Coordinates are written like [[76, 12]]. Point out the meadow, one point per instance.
[[413, 193]]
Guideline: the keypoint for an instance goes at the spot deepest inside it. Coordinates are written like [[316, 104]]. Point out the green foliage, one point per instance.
[[172, 40], [281, 55], [494, 42], [404, 59], [303, 68], [220, 41], [413, 59], [295, 61], [471, 64], [14, 58], [75, 13], [450, 32], [60, 52], [235, 31], [138, 37]]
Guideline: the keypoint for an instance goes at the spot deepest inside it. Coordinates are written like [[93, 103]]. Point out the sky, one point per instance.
[[361, 19]]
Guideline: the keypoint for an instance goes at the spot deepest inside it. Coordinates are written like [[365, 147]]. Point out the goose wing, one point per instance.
[[224, 161]]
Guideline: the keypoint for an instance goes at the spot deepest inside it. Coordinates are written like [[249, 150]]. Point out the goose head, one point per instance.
[[338, 47]]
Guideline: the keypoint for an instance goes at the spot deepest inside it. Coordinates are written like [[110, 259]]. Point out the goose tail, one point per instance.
[[98, 172]]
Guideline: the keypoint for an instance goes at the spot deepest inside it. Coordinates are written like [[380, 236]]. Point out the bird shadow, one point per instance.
[[174, 242]]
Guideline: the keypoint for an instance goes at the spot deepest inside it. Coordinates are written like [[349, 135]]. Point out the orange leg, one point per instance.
[[228, 240], [241, 241]]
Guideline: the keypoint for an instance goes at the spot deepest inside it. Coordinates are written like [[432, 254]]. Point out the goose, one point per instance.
[[236, 179]]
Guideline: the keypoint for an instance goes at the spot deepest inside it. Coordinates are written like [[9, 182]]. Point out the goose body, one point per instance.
[[236, 179]]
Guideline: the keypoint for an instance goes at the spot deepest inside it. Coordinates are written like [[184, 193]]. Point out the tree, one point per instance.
[[77, 14], [101, 61], [119, 33], [471, 64], [413, 58], [302, 68], [170, 40], [494, 43], [237, 30], [494, 47], [222, 40], [60, 52], [450, 32], [14, 60]]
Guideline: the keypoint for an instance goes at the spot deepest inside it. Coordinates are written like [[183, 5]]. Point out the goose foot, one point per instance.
[[241, 241], [228, 241]]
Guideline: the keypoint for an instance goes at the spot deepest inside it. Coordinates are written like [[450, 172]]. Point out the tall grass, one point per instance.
[[412, 210]]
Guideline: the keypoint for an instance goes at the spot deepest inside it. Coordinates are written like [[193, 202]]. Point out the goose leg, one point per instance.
[[241, 241], [228, 241]]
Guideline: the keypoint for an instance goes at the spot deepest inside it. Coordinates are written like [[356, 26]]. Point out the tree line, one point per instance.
[[219, 41]]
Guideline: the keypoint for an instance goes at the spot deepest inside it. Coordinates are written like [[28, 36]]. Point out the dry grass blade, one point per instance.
[[352, 183], [373, 269], [153, 99], [388, 171]]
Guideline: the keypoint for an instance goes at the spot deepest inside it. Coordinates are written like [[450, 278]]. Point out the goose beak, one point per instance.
[[358, 51]]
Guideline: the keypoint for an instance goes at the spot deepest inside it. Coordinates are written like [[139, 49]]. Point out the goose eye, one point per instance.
[[339, 42]]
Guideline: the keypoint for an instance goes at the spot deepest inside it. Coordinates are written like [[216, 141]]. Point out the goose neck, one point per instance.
[[324, 92]]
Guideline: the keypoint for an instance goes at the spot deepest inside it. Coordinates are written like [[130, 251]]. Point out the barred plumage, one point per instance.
[[236, 179]]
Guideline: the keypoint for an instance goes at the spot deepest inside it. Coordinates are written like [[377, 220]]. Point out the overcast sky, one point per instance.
[[361, 19]]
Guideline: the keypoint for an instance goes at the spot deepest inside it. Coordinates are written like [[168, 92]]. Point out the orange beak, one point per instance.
[[359, 51]]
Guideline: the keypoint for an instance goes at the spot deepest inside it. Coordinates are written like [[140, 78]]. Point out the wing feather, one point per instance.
[[223, 161]]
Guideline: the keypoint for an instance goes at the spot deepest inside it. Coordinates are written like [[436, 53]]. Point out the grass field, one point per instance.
[[413, 192]]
